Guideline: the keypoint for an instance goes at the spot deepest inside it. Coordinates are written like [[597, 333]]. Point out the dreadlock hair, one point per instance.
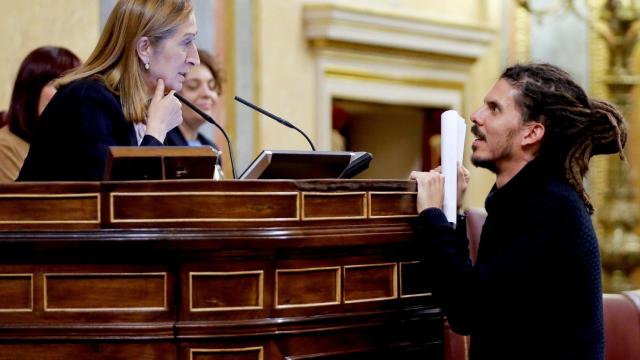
[[576, 127]]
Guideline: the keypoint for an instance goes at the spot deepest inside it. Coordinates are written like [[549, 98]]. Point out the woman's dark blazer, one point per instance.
[[75, 131], [175, 138]]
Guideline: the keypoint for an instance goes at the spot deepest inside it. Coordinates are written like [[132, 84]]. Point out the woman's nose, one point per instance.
[[192, 56]]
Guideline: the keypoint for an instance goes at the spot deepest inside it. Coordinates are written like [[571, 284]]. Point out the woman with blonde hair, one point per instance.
[[202, 87], [118, 96]]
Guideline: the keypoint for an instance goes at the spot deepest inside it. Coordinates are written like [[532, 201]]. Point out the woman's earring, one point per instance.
[[146, 66]]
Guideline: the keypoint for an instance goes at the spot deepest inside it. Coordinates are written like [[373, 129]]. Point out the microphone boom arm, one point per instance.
[[209, 119], [276, 118]]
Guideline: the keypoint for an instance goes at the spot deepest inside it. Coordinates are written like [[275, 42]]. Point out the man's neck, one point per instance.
[[189, 133], [507, 172]]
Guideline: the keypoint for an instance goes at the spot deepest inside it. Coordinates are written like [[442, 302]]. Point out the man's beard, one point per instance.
[[486, 164], [481, 163], [506, 151]]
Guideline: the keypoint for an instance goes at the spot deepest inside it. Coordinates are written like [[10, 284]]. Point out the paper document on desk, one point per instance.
[[452, 132]]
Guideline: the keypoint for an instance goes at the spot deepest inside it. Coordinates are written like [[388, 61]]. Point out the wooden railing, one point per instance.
[[209, 270]]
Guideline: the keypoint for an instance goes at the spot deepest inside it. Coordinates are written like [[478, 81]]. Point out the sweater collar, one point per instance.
[[528, 178]]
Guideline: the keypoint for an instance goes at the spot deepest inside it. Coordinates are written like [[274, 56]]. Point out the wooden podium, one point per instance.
[[204, 270]]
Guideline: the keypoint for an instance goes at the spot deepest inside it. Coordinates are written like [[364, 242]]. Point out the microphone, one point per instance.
[[209, 119], [274, 117]]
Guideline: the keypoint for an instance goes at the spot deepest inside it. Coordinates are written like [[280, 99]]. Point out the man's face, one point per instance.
[[496, 127]]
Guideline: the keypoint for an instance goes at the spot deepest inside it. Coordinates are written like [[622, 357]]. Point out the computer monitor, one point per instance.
[[290, 164]]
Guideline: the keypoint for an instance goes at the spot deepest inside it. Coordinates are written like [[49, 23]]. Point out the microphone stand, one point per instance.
[[275, 117], [209, 119]]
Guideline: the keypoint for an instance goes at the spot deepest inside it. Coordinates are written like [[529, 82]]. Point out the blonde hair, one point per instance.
[[115, 60]]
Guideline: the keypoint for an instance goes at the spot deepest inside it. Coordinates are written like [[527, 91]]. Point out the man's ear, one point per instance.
[[143, 48], [534, 132]]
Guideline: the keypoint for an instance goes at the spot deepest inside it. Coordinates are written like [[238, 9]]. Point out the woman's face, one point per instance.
[[200, 89], [172, 58], [45, 96]]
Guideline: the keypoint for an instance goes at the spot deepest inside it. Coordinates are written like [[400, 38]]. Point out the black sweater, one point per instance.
[[535, 290], [74, 133]]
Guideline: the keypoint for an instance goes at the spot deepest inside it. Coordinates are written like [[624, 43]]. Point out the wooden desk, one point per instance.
[[213, 270]]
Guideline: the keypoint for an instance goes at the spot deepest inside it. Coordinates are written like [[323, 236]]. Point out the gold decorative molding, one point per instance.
[[259, 300], [328, 5], [105, 275], [51, 211], [338, 286], [113, 196], [522, 35], [257, 75], [194, 352], [401, 293], [394, 282], [361, 215], [361, 53], [407, 55], [228, 56], [360, 75], [372, 194], [599, 165], [28, 276], [329, 22]]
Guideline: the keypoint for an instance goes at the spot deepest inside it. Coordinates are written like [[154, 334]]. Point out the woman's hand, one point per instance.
[[164, 113], [430, 189]]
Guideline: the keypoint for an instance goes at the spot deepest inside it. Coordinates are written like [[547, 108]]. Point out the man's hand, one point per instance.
[[430, 189], [463, 181]]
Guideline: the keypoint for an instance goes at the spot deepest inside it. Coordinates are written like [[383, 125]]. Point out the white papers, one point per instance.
[[452, 132]]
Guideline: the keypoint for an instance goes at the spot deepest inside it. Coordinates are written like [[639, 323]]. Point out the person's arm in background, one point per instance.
[[10, 160]]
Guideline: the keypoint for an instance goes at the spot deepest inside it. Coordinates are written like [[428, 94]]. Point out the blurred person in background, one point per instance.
[[32, 91]]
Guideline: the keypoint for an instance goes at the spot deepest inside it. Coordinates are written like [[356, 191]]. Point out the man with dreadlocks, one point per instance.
[[535, 289]]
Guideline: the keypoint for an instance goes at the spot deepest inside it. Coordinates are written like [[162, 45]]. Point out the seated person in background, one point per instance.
[[202, 87], [118, 96], [535, 289], [32, 91]]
